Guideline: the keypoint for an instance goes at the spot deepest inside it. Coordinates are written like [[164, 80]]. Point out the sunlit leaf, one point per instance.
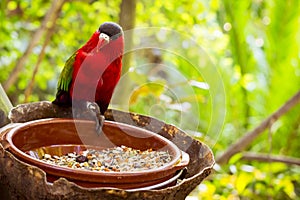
[[201, 85], [235, 158], [146, 89], [243, 179]]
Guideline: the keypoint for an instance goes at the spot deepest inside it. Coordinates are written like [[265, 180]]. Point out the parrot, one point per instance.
[[91, 74]]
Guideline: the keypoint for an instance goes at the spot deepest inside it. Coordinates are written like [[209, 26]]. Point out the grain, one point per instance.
[[117, 159]]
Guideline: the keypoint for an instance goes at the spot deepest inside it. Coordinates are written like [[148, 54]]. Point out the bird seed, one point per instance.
[[117, 159]]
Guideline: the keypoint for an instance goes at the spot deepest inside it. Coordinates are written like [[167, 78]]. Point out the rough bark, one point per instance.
[[45, 109], [23, 181]]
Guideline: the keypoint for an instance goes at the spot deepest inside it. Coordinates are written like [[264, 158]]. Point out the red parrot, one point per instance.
[[92, 72]]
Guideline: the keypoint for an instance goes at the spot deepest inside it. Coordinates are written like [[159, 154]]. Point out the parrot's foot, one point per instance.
[[99, 119], [99, 124], [89, 111]]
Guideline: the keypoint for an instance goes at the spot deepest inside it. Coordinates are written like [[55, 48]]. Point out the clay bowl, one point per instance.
[[31, 140]]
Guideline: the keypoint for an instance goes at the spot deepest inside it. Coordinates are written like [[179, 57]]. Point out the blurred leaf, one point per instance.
[[201, 85], [235, 158], [242, 181], [155, 89]]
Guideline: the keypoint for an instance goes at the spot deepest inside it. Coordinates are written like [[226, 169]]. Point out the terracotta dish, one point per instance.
[[61, 136]]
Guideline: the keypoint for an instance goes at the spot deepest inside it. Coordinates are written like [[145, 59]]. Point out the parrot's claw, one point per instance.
[[99, 119], [99, 124]]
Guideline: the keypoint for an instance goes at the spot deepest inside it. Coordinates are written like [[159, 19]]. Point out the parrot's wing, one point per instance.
[[65, 77]]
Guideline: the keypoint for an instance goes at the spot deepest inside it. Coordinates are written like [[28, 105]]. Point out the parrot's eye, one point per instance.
[[104, 36]]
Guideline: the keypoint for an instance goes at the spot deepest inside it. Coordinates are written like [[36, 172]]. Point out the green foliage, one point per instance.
[[255, 181], [254, 46]]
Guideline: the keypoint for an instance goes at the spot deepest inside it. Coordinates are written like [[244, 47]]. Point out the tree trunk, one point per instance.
[[127, 21]]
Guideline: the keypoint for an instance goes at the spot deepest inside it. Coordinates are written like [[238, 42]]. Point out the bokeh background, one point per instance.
[[253, 46]]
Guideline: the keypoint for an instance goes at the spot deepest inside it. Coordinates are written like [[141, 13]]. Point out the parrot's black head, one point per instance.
[[111, 29]]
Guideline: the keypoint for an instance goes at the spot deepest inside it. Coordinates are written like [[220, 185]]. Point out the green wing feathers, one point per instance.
[[65, 77]]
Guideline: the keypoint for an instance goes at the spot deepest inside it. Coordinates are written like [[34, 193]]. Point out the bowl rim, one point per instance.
[[174, 165]]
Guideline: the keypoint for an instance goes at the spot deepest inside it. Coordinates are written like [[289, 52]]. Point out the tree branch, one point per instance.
[[270, 158], [244, 142], [48, 36], [56, 5]]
